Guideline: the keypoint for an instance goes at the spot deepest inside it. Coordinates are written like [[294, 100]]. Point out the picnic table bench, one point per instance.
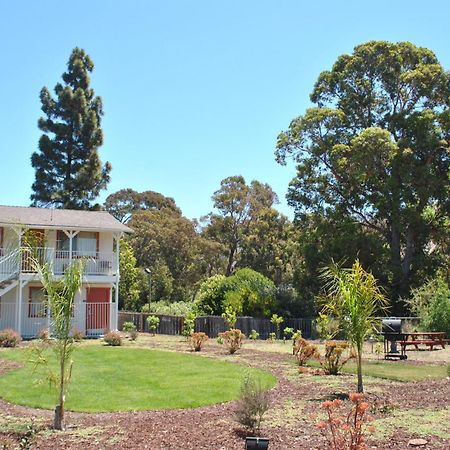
[[428, 338]]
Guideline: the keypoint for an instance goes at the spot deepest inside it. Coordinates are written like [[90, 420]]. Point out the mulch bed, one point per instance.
[[213, 427]]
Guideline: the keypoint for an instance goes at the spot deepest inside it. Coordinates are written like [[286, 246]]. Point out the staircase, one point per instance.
[[8, 284], [9, 271]]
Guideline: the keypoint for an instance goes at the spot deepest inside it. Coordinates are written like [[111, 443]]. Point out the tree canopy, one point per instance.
[[375, 149], [122, 204], [69, 173]]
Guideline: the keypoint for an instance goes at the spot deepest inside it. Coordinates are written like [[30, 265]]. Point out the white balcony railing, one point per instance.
[[95, 263], [24, 261], [90, 317]]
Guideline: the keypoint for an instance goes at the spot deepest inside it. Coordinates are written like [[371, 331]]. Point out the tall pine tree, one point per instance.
[[69, 173]]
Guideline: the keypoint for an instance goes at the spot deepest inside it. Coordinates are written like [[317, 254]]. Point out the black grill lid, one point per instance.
[[391, 325]]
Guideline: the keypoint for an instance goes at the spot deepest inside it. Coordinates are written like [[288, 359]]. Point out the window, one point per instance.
[[36, 304], [86, 243]]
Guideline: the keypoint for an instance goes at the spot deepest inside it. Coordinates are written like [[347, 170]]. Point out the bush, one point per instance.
[[326, 327], [44, 334], [253, 404], [128, 326], [179, 309], [248, 292], [345, 431], [9, 338], [113, 338], [153, 323], [133, 335], [437, 315], [232, 339], [196, 340], [253, 335], [77, 335], [288, 332], [230, 317], [277, 321], [333, 360], [188, 325], [303, 351], [431, 302], [272, 337]]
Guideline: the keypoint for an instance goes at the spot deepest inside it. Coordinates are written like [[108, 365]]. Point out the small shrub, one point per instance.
[[188, 325], [296, 335], [153, 323], [379, 349], [196, 340], [128, 326], [9, 338], [230, 317], [232, 339], [345, 431], [44, 334], [253, 335], [219, 340], [288, 332], [179, 309], [327, 327], [333, 360], [133, 335], [303, 351], [272, 337], [252, 404], [77, 335], [277, 321], [113, 338]]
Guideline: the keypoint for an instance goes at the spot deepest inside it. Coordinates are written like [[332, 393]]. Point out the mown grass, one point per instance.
[[395, 370], [123, 379], [422, 422]]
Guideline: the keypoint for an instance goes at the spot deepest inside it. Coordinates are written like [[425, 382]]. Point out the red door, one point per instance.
[[97, 309]]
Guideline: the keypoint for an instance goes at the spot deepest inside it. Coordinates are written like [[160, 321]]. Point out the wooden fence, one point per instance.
[[213, 325]]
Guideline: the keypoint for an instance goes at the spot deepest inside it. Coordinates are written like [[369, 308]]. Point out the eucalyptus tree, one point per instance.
[[376, 149]]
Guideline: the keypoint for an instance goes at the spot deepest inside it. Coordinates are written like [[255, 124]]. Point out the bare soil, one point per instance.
[[289, 424]]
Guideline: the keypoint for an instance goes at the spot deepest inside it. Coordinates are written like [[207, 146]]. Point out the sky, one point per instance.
[[193, 91]]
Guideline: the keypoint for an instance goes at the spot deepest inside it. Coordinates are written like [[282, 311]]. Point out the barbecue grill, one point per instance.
[[391, 329]]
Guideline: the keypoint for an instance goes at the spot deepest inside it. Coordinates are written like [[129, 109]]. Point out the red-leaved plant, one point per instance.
[[345, 431]]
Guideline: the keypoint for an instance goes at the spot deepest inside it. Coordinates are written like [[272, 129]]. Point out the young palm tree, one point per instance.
[[60, 297], [355, 299]]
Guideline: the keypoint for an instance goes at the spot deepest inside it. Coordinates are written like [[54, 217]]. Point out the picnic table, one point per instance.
[[428, 338]]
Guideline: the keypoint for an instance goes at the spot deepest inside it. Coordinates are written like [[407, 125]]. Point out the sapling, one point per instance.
[[60, 297]]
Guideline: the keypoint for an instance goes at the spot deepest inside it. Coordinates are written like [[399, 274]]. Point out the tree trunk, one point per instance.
[[396, 268], [58, 421], [406, 264], [230, 264], [360, 380]]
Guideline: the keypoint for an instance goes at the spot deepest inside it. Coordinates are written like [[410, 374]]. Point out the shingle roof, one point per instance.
[[60, 219]]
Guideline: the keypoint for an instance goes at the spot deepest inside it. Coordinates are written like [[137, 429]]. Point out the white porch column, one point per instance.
[[19, 299], [70, 234], [117, 237]]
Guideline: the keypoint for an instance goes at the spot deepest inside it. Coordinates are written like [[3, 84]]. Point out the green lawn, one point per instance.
[[123, 379], [395, 370]]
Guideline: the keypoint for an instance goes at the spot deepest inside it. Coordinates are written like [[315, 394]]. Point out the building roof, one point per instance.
[[47, 218]]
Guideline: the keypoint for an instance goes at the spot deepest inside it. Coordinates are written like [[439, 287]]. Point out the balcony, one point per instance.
[[23, 261]]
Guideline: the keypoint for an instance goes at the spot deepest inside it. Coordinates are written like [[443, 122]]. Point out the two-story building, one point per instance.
[[58, 236]]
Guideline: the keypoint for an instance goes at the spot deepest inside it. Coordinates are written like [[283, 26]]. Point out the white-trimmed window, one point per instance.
[[85, 243], [36, 302]]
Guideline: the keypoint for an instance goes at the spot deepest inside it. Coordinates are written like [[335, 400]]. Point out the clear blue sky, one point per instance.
[[193, 91]]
